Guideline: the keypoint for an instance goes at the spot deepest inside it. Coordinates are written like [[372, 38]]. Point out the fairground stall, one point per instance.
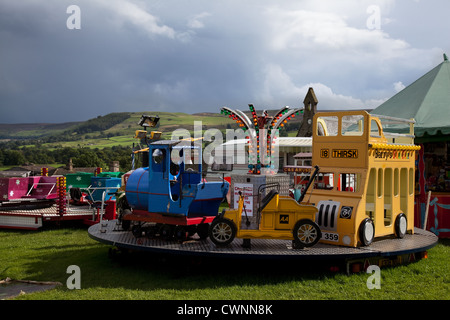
[[427, 101]]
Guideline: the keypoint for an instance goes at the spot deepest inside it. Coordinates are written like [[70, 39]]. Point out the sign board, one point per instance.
[[247, 192], [339, 154]]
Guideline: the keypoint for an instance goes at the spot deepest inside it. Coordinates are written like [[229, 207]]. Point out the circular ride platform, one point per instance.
[[389, 249]]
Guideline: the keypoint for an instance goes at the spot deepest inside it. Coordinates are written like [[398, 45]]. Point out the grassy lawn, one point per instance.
[[45, 255]]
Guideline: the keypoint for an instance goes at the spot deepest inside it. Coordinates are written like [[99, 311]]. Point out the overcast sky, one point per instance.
[[200, 55]]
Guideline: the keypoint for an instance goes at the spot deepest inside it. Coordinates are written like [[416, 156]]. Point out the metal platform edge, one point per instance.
[[34, 219], [107, 233]]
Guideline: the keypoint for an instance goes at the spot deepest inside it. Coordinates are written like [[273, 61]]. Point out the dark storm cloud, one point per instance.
[[197, 56]]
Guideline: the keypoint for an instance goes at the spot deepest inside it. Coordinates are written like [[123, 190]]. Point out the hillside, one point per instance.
[[33, 130], [108, 130], [95, 142], [114, 129]]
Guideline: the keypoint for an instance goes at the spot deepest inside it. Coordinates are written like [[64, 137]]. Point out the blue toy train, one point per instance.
[[168, 198]]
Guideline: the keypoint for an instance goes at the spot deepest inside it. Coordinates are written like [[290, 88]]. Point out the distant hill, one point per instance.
[[119, 128], [32, 130], [111, 129]]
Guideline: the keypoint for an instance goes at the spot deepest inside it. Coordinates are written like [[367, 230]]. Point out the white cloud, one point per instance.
[[132, 13], [278, 86], [399, 86], [327, 31], [196, 23]]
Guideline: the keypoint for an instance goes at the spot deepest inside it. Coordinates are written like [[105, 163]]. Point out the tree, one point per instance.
[[88, 158], [13, 157]]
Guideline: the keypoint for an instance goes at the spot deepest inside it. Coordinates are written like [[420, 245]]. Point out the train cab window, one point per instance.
[[352, 125], [191, 160], [157, 160], [174, 168], [324, 181], [158, 156]]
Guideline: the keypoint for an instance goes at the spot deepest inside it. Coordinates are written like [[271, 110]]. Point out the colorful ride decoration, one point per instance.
[[21, 192], [44, 172], [61, 191], [106, 184], [262, 135]]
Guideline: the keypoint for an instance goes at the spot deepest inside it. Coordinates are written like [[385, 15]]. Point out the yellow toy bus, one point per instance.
[[365, 188]]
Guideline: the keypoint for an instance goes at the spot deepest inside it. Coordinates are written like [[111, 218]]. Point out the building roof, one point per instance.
[[13, 174], [427, 100], [33, 169], [63, 171], [295, 142], [282, 142]]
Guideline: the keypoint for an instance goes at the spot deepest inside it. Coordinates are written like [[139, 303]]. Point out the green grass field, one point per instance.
[[45, 256]]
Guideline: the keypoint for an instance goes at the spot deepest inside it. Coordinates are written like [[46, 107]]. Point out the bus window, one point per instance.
[[374, 129], [380, 183], [325, 181], [349, 182], [370, 194], [352, 125], [411, 181], [404, 189], [396, 183], [388, 197], [327, 126]]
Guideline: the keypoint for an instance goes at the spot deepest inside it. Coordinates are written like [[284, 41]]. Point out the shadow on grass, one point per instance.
[[149, 271]]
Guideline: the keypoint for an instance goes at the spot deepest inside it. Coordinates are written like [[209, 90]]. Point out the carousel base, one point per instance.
[[383, 252]]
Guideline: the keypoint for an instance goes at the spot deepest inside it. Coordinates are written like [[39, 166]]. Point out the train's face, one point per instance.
[[172, 183]]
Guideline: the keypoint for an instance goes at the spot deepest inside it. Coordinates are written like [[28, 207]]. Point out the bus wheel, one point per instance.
[[306, 234], [401, 226], [366, 232], [222, 232]]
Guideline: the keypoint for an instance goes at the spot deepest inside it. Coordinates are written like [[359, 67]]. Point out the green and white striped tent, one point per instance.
[[427, 101]]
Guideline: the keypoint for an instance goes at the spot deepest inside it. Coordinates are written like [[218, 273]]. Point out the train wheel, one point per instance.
[[181, 233], [126, 224], [150, 232], [306, 234], [366, 232], [401, 226], [166, 232], [222, 232], [202, 230], [136, 230]]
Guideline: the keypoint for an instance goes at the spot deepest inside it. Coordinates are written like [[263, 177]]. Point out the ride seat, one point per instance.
[[266, 200]]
